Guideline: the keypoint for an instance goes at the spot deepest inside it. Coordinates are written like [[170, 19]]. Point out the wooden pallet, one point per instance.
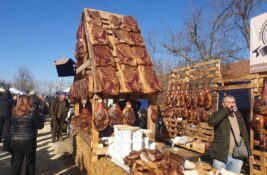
[[260, 165]]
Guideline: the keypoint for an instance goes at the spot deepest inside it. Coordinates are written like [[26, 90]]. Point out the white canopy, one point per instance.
[[14, 90], [2, 89]]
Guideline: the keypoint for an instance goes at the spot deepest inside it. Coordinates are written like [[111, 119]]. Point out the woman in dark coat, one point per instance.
[[6, 103], [24, 124]]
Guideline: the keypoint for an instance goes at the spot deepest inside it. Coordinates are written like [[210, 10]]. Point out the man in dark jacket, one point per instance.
[[6, 103], [224, 143]]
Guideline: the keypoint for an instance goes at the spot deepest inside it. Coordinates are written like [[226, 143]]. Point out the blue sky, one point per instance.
[[34, 33]]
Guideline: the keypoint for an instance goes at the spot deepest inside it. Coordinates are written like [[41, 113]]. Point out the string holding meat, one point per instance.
[[101, 118], [129, 117], [260, 106], [122, 37], [130, 24], [142, 55], [125, 54], [103, 56], [98, 35], [115, 115], [208, 99], [94, 17], [107, 81], [137, 39], [115, 22]]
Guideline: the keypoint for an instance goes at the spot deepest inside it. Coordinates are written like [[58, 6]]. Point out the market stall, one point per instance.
[[196, 91], [113, 72]]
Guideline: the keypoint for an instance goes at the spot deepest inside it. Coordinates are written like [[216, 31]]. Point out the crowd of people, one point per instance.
[[20, 118]]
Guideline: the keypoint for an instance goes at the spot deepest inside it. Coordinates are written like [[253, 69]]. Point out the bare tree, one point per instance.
[[205, 37], [24, 79]]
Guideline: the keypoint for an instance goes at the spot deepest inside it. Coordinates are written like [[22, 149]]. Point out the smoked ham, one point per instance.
[[200, 99], [187, 99], [208, 99], [203, 115], [81, 45], [103, 56], [101, 118], [107, 81], [258, 122], [132, 78], [115, 115], [142, 55], [129, 117], [125, 54], [195, 97], [197, 117], [94, 17], [98, 35], [115, 22], [130, 24], [154, 114]]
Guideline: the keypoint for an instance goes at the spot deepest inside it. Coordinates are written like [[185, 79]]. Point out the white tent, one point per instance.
[[67, 90], [14, 90], [2, 90]]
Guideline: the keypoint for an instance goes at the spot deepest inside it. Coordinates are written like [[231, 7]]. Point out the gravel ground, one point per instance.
[[52, 158]]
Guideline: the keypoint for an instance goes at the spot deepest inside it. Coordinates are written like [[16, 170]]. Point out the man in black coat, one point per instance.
[[6, 103]]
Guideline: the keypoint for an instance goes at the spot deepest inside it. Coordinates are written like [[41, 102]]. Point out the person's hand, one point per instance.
[[251, 159]]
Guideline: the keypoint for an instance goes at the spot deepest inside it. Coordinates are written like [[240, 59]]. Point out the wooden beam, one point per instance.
[[94, 132], [86, 64]]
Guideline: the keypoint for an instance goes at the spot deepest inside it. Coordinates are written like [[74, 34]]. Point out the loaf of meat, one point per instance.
[[129, 117], [115, 115], [101, 118]]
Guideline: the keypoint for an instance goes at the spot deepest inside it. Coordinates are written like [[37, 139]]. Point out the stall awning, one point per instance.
[[65, 67]]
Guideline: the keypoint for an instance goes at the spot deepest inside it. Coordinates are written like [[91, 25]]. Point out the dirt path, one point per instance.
[[52, 158]]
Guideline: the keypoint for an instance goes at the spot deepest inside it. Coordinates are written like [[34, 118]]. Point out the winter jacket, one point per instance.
[[25, 128], [6, 103], [220, 146]]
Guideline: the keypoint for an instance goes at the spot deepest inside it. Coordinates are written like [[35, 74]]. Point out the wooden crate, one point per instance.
[[260, 165], [171, 124]]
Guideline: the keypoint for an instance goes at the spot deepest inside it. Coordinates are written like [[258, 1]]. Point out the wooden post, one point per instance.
[[150, 125], [76, 109]]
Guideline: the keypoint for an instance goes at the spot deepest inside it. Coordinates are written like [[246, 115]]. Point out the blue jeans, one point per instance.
[[232, 164]]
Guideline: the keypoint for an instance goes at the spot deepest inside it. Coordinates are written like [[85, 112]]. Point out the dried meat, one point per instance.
[[98, 35], [130, 24], [132, 78], [129, 117], [149, 79], [137, 39], [80, 50], [107, 81], [126, 55], [94, 17], [103, 56], [142, 55], [115, 22], [115, 115], [122, 36], [101, 118]]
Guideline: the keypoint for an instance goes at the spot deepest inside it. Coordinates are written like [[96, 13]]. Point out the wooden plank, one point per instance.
[[233, 87], [86, 64], [94, 133]]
